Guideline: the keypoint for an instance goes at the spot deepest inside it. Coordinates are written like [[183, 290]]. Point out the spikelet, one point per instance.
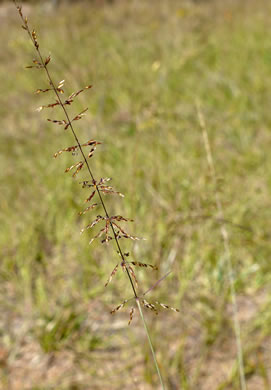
[[111, 275], [144, 265], [88, 208], [101, 232], [132, 274], [47, 60], [119, 307], [97, 220], [75, 94], [38, 65], [60, 85], [150, 306], [78, 167], [121, 233], [59, 122], [80, 115], [167, 307], [131, 316], [90, 197], [34, 36], [42, 90], [50, 105]]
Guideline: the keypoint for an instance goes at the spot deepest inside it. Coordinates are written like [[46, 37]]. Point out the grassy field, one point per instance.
[[150, 67]]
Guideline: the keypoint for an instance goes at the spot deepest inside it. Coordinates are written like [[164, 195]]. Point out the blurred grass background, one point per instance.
[[149, 65]]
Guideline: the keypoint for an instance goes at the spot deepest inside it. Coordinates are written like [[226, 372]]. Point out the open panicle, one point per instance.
[[111, 229]]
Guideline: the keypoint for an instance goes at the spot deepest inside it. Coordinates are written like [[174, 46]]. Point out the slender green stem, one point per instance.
[[226, 242], [150, 343]]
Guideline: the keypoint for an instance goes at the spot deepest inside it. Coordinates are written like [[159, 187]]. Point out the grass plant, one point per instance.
[[99, 187], [226, 242], [149, 64]]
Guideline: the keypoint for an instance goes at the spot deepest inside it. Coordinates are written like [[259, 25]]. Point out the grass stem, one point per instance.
[[150, 344], [227, 250]]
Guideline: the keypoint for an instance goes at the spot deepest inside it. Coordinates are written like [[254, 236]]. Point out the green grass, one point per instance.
[[148, 66]]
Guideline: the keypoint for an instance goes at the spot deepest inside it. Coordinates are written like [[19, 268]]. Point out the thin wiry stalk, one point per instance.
[[69, 123], [226, 243], [150, 342]]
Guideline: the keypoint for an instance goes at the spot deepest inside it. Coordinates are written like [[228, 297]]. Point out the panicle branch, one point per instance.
[[120, 232]]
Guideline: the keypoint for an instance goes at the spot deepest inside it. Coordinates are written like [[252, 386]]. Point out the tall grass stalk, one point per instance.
[[98, 186], [227, 249]]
